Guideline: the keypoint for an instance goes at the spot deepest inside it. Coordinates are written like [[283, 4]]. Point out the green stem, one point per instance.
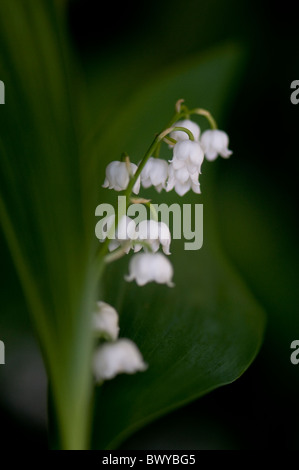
[[153, 211], [206, 114], [116, 254]]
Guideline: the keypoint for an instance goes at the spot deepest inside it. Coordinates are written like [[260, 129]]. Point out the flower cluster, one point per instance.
[[182, 172], [114, 356], [189, 147]]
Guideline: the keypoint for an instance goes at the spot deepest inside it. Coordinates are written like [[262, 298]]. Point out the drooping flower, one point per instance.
[[153, 233], [215, 142], [154, 173], [118, 176], [119, 357], [182, 181], [185, 167], [188, 154], [105, 322], [148, 267], [181, 135]]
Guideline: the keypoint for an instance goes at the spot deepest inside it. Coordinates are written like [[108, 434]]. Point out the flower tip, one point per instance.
[[227, 154]]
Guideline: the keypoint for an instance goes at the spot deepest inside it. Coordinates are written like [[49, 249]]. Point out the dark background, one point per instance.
[[260, 410]]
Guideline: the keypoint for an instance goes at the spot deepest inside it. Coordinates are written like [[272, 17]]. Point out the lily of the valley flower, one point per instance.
[[120, 357], [148, 267], [153, 233], [188, 154], [182, 181], [105, 322], [185, 167], [181, 135], [118, 176], [215, 142], [154, 173]]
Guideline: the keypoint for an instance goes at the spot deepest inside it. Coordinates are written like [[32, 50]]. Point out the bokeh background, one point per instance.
[[257, 207]]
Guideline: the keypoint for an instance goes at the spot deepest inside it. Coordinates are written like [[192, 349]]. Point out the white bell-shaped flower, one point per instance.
[[124, 233], [118, 176], [148, 267], [215, 142], [181, 135], [182, 181], [153, 233], [119, 357], [105, 322], [185, 167], [154, 173], [189, 155]]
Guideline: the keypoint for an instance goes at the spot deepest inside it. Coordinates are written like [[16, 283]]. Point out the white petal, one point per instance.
[[136, 187], [190, 125], [215, 142], [178, 164], [182, 175], [148, 267], [146, 183], [120, 357], [182, 189], [211, 155], [196, 155], [181, 149], [159, 172], [159, 187], [126, 229], [196, 188], [105, 321]]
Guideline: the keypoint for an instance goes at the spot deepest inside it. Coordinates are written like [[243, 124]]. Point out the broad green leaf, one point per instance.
[[205, 331], [47, 200]]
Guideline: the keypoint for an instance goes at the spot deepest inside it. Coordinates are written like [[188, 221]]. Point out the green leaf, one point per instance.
[[47, 201], [205, 331]]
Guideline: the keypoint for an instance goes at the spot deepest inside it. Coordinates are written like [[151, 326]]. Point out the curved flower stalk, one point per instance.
[[191, 125], [180, 173]]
